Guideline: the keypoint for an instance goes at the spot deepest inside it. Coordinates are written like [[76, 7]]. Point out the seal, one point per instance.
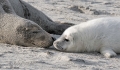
[[20, 31], [97, 35], [29, 12], [23, 32]]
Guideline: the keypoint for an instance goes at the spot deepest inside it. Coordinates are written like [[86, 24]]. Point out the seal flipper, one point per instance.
[[107, 52]]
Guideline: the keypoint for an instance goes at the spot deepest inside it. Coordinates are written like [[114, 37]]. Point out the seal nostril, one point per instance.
[[53, 38]]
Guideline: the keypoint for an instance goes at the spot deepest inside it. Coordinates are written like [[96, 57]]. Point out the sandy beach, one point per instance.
[[14, 57]]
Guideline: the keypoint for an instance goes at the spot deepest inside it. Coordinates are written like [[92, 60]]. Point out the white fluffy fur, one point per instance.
[[101, 35]]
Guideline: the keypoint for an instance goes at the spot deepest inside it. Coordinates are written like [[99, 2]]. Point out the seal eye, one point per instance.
[[66, 40]]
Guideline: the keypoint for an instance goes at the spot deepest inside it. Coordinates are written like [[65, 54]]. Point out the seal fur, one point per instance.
[[99, 35]]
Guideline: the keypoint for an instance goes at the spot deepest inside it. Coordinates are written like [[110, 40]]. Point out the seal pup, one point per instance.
[[99, 35]]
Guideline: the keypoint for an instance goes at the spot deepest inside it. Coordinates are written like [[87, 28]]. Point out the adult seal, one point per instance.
[[99, 35], [27, 11], [20, 31]]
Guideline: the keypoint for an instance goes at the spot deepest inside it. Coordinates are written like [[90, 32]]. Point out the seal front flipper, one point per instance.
[[107, 52]]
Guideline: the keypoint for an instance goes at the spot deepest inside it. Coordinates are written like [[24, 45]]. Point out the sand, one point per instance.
[[14, 57]]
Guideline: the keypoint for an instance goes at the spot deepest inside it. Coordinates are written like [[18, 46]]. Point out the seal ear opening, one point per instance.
[[26, 29], [24, 33], [22, 29]]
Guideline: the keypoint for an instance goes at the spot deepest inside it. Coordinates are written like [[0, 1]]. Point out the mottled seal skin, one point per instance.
[[20, 31], [29, 12], [100, 35]]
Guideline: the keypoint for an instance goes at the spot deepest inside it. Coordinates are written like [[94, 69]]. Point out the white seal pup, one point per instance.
[[100, 35]]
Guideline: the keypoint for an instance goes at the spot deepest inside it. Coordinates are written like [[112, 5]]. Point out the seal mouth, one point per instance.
[[34, 44], [58, 47]]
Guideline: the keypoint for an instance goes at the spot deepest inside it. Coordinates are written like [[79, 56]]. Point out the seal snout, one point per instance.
[[57, 46]]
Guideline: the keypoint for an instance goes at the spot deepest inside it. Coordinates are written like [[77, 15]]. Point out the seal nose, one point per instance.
[[53, 38], [57, 46]]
